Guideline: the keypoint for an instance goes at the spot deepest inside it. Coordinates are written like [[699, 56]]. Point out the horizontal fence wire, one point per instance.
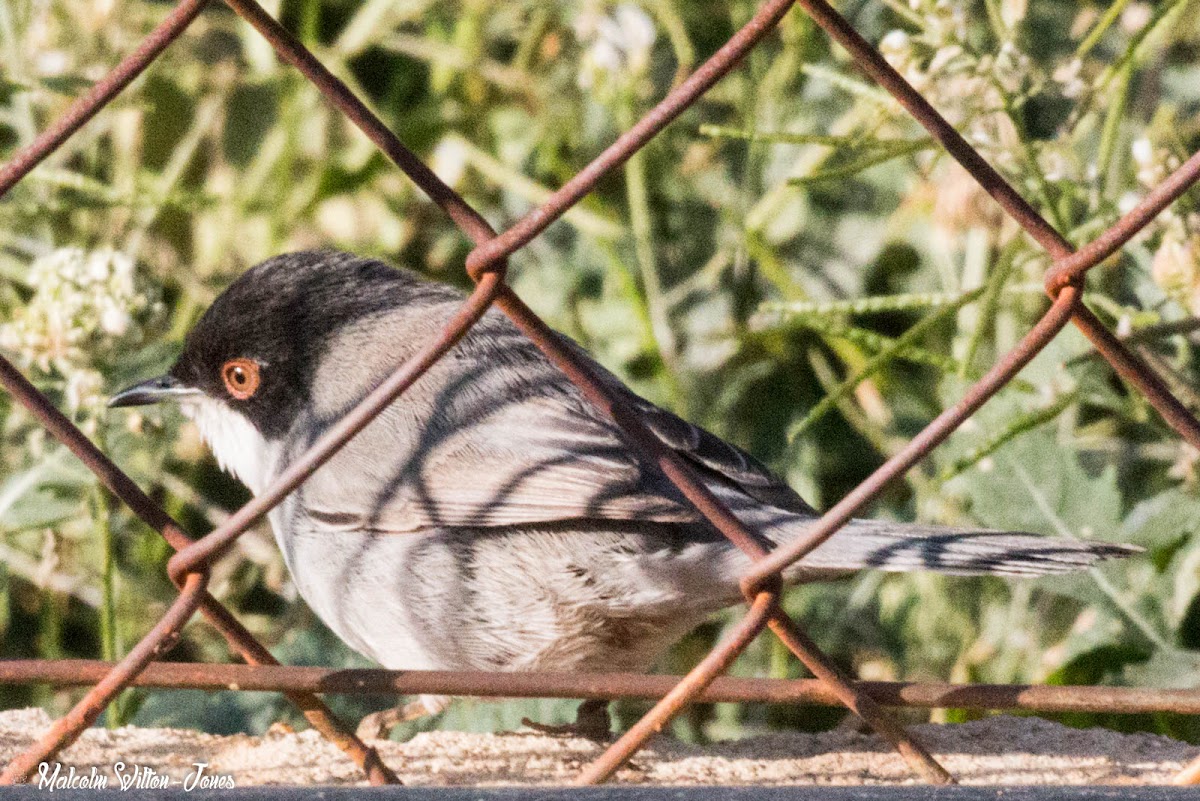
[[723, 689], [487, 264]]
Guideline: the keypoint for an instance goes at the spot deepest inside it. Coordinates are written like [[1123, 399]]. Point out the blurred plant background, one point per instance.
[[792, 264]]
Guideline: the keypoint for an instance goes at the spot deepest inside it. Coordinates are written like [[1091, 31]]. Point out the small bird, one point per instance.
[[491, 518]]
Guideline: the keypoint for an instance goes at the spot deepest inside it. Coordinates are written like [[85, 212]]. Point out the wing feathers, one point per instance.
[[498, 436]]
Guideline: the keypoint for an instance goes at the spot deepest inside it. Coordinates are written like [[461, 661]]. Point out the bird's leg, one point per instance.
[[591, 721], [378, 725]]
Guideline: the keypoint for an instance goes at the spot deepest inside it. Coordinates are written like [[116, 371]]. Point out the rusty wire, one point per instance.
[[486, 264], [723, 689]]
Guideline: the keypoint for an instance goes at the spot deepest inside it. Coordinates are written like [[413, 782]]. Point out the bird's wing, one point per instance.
[[508, 447], [718, 461], [530, 462]]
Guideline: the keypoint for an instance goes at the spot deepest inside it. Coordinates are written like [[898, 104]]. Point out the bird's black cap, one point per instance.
[[280, 314]]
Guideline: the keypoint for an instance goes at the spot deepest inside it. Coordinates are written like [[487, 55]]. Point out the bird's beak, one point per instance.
[[155, 390]]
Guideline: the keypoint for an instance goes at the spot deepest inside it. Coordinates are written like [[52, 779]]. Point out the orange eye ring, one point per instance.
[[241, 377]]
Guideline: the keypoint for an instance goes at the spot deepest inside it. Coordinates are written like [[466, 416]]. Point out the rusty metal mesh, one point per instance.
[[486, 264]]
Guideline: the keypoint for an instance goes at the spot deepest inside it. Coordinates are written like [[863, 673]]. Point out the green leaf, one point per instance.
[[40, 508], [45, 494], [66, 85], [252, 111], [1098, 664], [338, 180], [1089, 503], [9, 87], [1163, 520]]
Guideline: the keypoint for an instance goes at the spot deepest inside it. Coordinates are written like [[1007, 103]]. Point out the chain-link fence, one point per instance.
[[189, 567]]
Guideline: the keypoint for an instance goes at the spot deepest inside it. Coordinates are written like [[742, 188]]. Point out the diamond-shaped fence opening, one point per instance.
[[189, 567]]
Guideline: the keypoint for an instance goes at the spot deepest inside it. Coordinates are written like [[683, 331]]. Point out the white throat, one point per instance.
[[237, 445]]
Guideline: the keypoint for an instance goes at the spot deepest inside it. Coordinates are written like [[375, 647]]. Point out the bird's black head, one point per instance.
[[257, 348]]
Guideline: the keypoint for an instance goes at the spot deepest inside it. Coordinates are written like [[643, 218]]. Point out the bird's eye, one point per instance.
[[240, 377]]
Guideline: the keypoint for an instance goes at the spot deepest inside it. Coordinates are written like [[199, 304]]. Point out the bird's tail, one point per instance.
[[904, 547]]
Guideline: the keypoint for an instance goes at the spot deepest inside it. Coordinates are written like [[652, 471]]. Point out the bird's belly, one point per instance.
[[484, 600], [349, 581]]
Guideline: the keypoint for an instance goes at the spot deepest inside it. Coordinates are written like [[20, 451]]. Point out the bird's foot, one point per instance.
[[379, 725], [591, 722]]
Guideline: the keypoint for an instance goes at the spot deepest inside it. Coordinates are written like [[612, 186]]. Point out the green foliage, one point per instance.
[[792, 264]]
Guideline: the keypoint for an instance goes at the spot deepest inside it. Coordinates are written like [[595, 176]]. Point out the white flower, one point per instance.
[[1069, 77], [449, 160], [114, 321], [98, 266], [619, 46], [1135, 17], [1128, 201], [85, 389], [1176, 268], [1056, 164], [1143, 151], [86, 308], [1013, 11], [894, 41], [943, 57], [634, 34], [1152, 163], [1012, 68], [604, 55], [52, 63]]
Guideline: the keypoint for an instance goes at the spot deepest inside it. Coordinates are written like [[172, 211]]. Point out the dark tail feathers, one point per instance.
[[904, 547]]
